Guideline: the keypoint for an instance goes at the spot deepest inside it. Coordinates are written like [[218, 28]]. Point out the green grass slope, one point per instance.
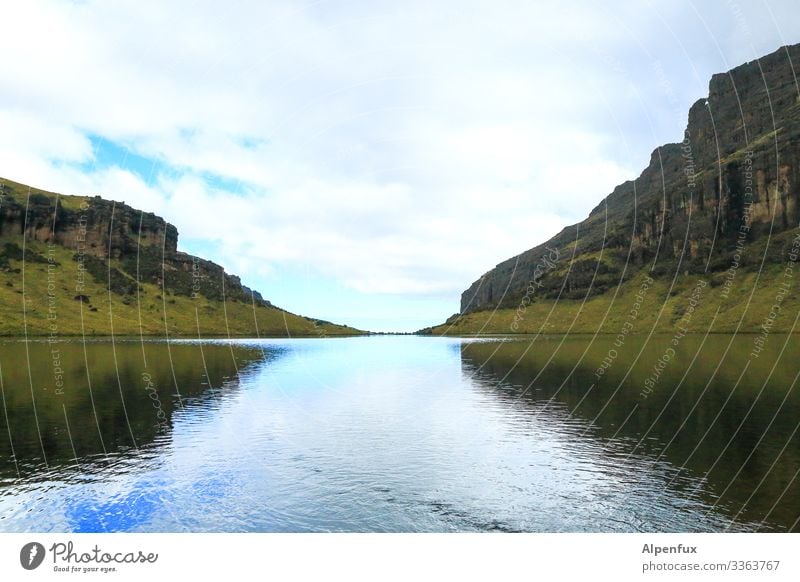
[[763, 302], [46, 291]]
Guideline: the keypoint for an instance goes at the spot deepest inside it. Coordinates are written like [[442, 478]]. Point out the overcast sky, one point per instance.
[[360, 161]]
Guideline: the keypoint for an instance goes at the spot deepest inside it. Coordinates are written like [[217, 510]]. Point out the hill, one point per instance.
[[706, 238], [80, 265]]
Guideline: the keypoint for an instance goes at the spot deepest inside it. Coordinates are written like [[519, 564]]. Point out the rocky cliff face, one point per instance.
[[718, 197], [140, 246]]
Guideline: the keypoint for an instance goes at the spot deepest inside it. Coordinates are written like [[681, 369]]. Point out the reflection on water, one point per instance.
[[75, 403], [397, 434], [719, 426]]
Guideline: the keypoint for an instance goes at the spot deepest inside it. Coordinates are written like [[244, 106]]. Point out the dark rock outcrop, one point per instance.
[[105, 229], [732, 181], [140, 246]]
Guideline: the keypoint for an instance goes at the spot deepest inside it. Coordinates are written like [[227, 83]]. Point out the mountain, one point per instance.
[[707, 234], [74, 265]]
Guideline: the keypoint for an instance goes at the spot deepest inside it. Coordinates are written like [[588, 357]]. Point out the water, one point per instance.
[[400, 434]]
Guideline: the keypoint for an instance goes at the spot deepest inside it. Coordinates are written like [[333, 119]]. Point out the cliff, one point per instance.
[[725, 197], [60, 252]]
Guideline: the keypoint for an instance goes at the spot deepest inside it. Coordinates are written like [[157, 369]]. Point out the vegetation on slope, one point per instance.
[[737, 300], [720, 209], [50, 285]]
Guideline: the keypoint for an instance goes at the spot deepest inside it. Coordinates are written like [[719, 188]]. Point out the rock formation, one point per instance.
[[144, 245], [701, 205]]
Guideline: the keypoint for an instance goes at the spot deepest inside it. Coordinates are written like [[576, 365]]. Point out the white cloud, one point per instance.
[[400, 148], [27, 135]]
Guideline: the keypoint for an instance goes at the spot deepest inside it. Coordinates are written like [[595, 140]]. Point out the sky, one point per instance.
[[360, 161]]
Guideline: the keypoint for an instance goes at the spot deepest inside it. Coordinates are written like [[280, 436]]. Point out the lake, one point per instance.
[[401, 434]]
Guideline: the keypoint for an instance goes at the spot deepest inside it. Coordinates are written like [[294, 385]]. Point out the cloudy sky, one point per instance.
[[360, 161]]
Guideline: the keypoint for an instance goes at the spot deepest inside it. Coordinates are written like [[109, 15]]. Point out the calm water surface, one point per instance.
[[400, 434]]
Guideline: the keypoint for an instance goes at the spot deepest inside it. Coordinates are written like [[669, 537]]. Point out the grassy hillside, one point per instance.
[[43, 292], [46, 288], [725, 302], [719, 209]]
